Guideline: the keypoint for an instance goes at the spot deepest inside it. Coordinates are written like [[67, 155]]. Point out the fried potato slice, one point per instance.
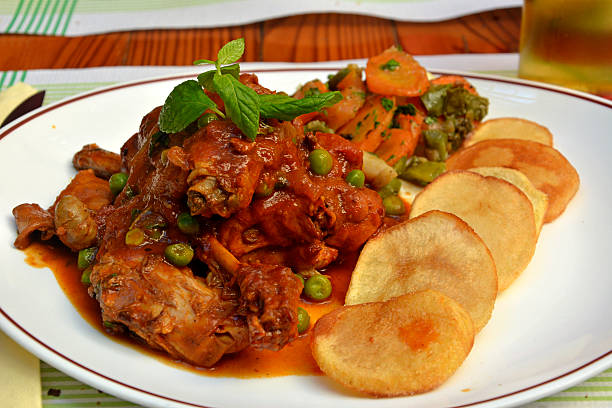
[[538, 199], [406, 345], [510, 128], [548, 170], [498, 211], [436, 250]]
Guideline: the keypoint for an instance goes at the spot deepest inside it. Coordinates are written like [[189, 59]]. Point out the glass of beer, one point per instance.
[[569, 43]]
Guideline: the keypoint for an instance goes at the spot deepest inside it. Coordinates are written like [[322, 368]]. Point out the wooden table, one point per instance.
[[304, 38]]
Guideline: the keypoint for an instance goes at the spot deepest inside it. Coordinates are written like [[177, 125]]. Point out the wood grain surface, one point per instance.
[[303, 38]]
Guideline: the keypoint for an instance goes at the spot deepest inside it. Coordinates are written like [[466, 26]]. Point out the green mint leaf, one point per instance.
[[206, 78], [231, 52], [241, 103], [203, 61], [184, 105], [283, 107]]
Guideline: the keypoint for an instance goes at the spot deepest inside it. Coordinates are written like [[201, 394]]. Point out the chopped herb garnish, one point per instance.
[[430, 120], [387, 104], [390, 65], [408, 109], [130, 192]]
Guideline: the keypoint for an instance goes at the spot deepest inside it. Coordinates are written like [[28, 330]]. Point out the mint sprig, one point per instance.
[[206, 78], [230, 52], [241, 103], [188, 101], [185, 104], [284, 107]]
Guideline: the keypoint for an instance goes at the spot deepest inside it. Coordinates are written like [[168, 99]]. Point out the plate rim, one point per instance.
[[129, 392]]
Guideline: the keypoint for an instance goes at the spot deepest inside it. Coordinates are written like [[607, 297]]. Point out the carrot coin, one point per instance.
[[396, 73]]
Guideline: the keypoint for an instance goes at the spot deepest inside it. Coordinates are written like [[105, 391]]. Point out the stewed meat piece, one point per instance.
[[102, 162], [258, 212]]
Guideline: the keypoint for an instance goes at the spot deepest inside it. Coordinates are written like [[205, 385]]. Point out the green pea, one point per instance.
[[117, 182], [187, 224], [206, 119], [301, 278], [134, 237], [85, 276], [391, 189], [320, 162], [164, 156], [394, 205], [86, 257], [303, 320], [356, 178], [179, 254], [317, 126], [264, 189], [318, 287]]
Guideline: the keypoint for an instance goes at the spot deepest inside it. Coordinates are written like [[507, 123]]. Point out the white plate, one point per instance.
[[550, 330]]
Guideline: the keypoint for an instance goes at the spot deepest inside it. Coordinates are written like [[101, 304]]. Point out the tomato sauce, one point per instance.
[[293, 359]]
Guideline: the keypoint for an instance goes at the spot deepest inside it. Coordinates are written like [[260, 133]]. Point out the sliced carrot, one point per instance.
[[352, 79], [411, 122], [365, 129], [402, 141], [396, 73], [353, 93], [314, 84], [414, 100], [454, 80], [396, 144], [301, 120]]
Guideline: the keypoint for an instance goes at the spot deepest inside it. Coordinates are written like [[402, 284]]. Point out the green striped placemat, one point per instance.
[[59, 390], [82, 17]]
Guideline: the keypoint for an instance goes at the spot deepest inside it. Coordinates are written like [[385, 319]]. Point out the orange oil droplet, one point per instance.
[[418, 334]]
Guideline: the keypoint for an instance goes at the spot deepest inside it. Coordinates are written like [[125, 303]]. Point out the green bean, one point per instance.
[[394, 205], [85, 276], [179, 254], [391, 189], [422, 171], [86, 257], [437, 140]]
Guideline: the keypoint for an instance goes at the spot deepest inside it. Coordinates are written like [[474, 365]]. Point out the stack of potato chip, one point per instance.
[[422, 289]]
